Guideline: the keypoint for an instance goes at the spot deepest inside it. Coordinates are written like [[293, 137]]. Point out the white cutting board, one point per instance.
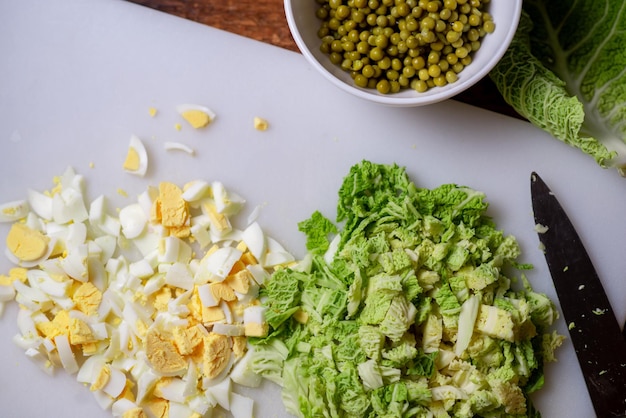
[[77, 78]]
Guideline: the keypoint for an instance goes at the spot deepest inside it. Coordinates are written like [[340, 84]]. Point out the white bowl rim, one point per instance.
[[391, 99]]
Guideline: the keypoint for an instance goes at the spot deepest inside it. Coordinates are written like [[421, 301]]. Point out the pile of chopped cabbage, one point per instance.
[[406, 310]]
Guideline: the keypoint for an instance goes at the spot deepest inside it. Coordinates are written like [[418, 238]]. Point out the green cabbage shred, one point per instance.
[[369, 327]]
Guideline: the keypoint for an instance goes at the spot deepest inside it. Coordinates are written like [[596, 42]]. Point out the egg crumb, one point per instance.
[[260, 124], [152, 111], [196, 118]]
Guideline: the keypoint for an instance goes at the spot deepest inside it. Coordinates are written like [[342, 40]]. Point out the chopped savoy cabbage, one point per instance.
[[410, 313], [565, 71]]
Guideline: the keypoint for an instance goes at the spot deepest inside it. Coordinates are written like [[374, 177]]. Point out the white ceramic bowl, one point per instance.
[[304, 26]]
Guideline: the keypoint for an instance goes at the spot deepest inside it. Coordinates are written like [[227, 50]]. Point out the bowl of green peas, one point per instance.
[[403, 52]]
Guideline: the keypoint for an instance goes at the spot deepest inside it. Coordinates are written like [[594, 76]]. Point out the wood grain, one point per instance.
[[264, 20]]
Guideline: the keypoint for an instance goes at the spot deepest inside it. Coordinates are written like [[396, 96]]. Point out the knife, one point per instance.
[[595, 333]]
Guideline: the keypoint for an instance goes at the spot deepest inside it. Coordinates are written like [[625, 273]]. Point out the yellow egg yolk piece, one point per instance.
[[196, 118], [25, 243], [187, 339], [136, 412], [80, 333], [171, 210], [132, 160], [260, 124], [87, 298], [216, 354], [162, 354]]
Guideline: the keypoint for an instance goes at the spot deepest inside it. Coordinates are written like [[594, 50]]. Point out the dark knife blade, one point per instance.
[[594, 331]]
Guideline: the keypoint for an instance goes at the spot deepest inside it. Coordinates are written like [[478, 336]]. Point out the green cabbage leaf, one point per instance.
[[565, 71]]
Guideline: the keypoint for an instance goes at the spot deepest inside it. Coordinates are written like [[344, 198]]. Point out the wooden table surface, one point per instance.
[[264, 20]]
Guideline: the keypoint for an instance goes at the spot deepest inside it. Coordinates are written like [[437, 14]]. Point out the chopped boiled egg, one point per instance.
[[27, 244], [13, 211], [197, 116], [159, 331], [171, 210], [136, 161]]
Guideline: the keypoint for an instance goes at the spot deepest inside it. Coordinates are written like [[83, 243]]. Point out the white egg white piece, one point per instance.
[[133, 220], [231, 330], [65, 353], [90, 369], [101, 220], [146, 379], [178, 275], [254, 237], [69, 206], [41, 204], [40, 359], [121, 406], [201, 234], [200, 405], [254, 314], [221, 393], [226, 202], [241, 406], [178, 146], [174, 390], [179, 410], [259, 274], [42, 281], [141, 269], [277, 258], [219, 263], [206, 296], [75, 263], [7, 293], [176, 250], [103, 399], [138, 146], [196, 190], [242, 372], [116, 383], [14, 211]]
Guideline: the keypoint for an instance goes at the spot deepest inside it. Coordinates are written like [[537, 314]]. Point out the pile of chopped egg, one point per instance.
[[151, 306]]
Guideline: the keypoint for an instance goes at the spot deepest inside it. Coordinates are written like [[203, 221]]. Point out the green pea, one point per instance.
[[383, 86], [360, 80]]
